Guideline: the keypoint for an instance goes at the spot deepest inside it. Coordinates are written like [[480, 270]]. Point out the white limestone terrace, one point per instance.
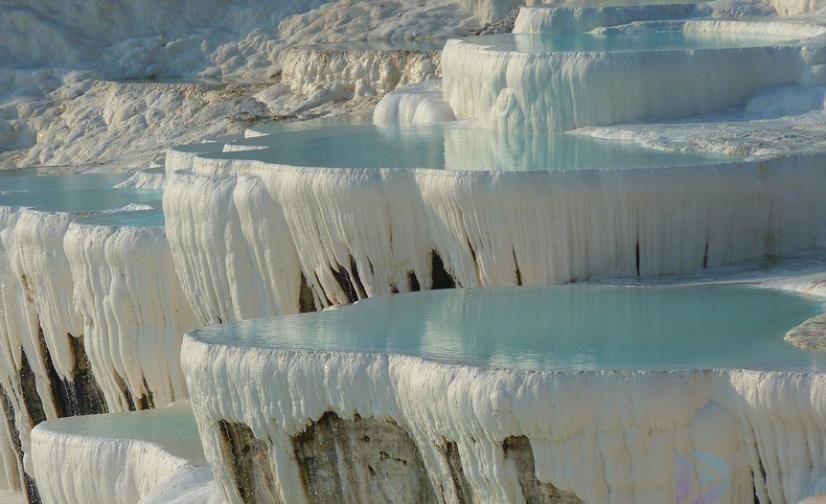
[[585, 16], [271, 231], [771, 121], [642, 70], [419, 104], [491, 11], [148, 457], [774, 122], [464, 406], [126, 444], [92, 312], [64, 106], [252, 236]]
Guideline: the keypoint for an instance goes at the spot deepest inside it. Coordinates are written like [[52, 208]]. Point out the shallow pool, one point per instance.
[[93, 196], [133, 218], [450, 146], [173, 428], [565, 327]]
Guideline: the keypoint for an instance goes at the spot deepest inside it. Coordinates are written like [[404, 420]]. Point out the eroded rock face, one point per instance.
[[81, 395], [249, 456], [370, 460], [519, 456], [26, 481], [361, 460]]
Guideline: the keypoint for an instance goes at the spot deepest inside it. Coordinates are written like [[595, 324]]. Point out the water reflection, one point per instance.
[[579, 327], [457, 146]]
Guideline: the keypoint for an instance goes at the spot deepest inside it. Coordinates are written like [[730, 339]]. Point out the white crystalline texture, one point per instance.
[[415, 104], [92, 317], [810, 335], [628, 430], [181, 158], [143, 180], [133, 310], [573, 19], [119, 473], [104, 464], [91, 320], [15, 323], [490, 11], [774, 122], [125, 314], [566, 90], [41, 266], [9, 470], [361, 71], [131, 123], [351, 234], [795, 7]]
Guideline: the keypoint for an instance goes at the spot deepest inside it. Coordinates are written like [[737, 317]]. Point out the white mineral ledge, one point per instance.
[[810, 335], [148, 457]]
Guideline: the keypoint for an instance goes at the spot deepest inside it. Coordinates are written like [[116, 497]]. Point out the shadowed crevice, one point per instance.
[[357, 283], [146, 400], [31, 398], [306, 300], [349, 282], [705, 256], [413, 282], [29, 487], [124, 391], [82, 395], [79, 396], [464, 493], [441, 278]]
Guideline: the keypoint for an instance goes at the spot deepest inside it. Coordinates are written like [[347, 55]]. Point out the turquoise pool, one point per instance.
[[173, 428], [93, 196], [557, 327], [451, 146]]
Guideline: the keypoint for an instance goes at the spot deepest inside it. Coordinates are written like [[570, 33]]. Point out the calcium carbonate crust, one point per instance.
[[76, 467], [253, 239], [91, 322], [627, 429], [361, 72], [576, 18], [559, 91], [415, 104]]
